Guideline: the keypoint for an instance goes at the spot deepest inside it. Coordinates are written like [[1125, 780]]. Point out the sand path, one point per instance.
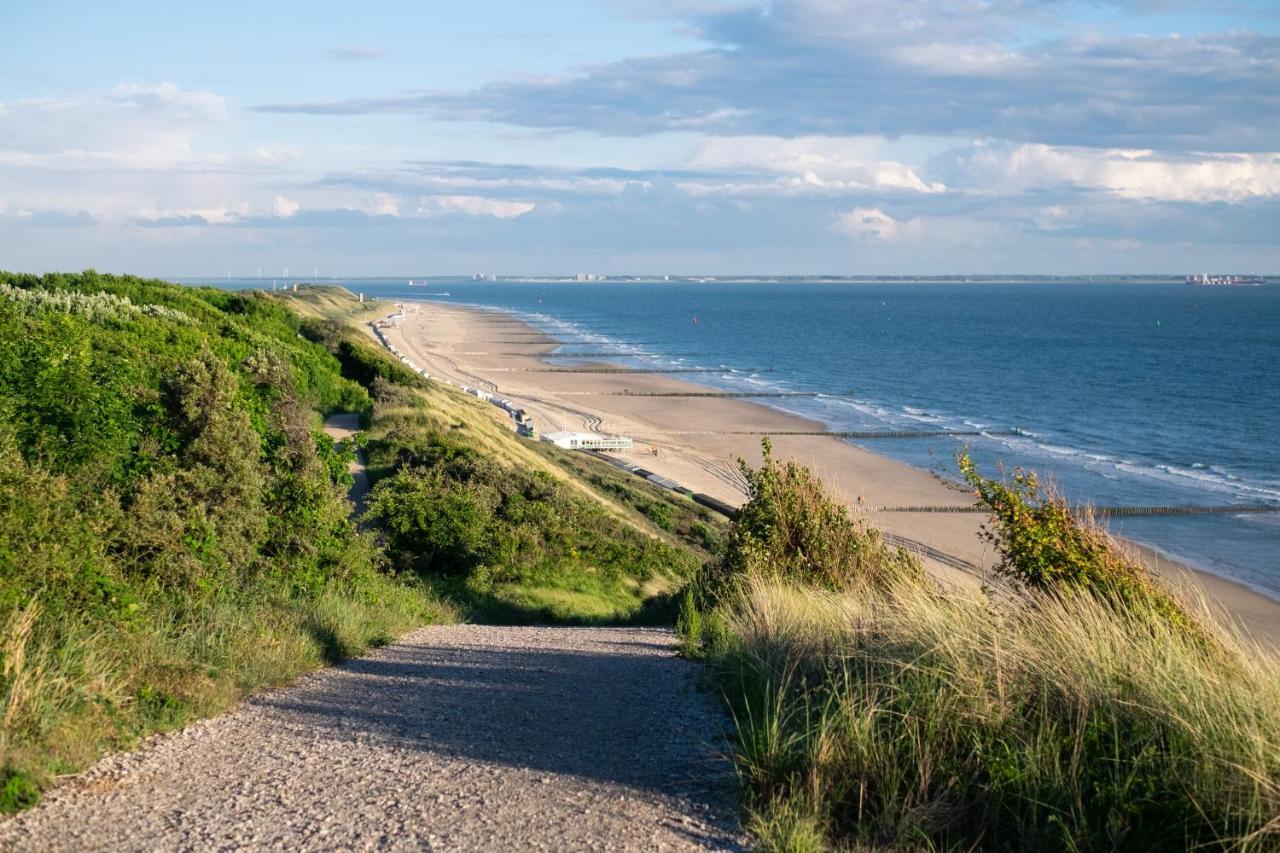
[[461, 737], [342, 427]]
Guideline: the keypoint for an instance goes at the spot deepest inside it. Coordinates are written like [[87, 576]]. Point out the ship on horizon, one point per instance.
[[1205, 280]]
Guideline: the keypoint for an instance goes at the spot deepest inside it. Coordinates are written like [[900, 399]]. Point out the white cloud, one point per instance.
[[132, 126], [805, 165], [214, 214], [474, 205], [135, 152], [1140, 175], [284, 207], [874, 223], [468, 179], [382, 204]]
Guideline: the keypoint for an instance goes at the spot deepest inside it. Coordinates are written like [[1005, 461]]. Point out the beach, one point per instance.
[[691, 440]]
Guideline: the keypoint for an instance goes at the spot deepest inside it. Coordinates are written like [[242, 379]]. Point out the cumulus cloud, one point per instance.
[[131, 126], [382, 204], [805, 165], [474, 205], [1131, 174], [284, 207], [874, 223]]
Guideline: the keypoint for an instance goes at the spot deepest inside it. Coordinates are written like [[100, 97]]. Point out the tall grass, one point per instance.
[[913, 718], [886, 712]]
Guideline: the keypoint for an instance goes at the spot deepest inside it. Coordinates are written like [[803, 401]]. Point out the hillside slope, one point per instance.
[[174, 529]]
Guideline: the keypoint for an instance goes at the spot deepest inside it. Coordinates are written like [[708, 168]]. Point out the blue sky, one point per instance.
[[641, 136]]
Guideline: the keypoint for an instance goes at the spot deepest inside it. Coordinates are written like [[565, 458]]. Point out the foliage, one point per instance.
[[173, 528], [516, 537], [904, 718], [361, 362], [1045, 545], [880, 711], [689, 523], [790, 528]]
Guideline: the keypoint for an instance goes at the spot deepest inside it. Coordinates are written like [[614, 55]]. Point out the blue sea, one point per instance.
[[1127, 394]]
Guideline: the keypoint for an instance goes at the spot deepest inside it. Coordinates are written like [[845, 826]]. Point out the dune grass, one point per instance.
[[909, 718], [882, 712]]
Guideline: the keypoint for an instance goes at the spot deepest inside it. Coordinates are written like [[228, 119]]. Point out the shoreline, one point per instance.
[[677, 439]]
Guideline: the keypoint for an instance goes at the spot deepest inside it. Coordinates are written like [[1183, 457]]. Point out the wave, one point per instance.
[[855, 413]]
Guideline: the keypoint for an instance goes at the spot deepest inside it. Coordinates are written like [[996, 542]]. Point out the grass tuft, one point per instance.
[[884, 712]]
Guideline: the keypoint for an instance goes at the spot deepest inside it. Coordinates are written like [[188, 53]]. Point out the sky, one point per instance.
[[845, 137]]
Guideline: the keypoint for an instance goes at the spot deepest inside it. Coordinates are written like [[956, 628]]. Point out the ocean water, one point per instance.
[[1142, 394]]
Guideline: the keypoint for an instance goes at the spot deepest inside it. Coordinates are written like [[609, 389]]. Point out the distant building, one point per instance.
[[588, 276], [1206, 280], [587, 441]]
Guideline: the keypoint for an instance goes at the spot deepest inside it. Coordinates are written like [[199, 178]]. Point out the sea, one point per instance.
[[1123, 394]]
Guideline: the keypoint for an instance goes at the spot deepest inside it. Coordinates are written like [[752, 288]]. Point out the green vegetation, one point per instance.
[[877, 710], [499, 525], [174, 530], [1045, 545], [173, 526]]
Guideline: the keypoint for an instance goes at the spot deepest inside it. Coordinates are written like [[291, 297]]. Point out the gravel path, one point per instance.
[[459, 737]]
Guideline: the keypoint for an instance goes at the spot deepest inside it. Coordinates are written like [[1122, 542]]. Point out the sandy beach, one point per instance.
[[683, 439]]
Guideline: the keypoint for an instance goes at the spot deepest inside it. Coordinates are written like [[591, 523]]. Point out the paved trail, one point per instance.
[[460, 737]]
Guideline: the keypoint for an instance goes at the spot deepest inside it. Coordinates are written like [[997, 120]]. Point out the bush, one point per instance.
[[509, 532], [1045, 545], [172, 532], [791, 529], [876, 710]]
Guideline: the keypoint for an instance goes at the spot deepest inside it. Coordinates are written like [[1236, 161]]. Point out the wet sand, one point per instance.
[[500, 353]]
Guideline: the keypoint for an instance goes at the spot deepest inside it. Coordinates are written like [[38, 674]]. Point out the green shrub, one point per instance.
[[172, 530], [1044, 545], [790, 528], [882, 712], [447, 510]]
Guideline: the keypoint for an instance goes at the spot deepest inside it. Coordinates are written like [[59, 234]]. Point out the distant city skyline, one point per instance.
[[641, 137]]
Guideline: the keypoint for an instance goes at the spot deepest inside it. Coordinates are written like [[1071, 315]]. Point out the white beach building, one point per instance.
[[587, 441]]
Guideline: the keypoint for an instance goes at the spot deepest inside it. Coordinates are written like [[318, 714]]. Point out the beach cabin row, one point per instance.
[[587, 441]]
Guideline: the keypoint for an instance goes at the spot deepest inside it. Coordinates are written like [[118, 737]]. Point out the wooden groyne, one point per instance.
[[730, 395], [637, 370], [905, 433], [1114, 511], [731, 512], [931, 552], [602, 354]]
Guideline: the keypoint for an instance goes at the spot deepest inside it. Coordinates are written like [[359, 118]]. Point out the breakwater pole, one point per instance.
[[639, 370], [1114, 511], [725, 395], [922, 433], [601, 354]]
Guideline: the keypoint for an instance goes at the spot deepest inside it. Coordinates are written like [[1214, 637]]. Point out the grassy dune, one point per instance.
[[509, 529], [174, 529], [1092, 710]]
